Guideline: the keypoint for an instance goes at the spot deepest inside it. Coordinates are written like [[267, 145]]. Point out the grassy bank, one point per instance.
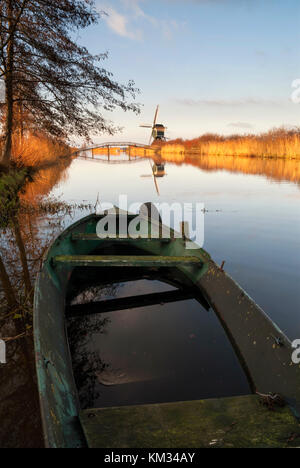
[[277, 143], [37, 150], [10, 185]]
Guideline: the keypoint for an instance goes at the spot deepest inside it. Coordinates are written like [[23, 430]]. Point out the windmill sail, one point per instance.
[[154, 123]]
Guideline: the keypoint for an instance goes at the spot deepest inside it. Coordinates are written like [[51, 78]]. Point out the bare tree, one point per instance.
[[57, 84]]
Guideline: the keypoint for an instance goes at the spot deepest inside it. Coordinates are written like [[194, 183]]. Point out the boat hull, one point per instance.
[[264, 351]]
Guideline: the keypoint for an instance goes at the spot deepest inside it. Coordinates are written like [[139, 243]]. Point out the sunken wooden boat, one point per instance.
[[263, 350]]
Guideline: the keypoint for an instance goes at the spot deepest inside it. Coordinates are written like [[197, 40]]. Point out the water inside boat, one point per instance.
[[119, 360]]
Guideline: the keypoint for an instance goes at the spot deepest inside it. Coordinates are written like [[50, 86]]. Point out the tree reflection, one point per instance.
[[27, 226], [87, 363]]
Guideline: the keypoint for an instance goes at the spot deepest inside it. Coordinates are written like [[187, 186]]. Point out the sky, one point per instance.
[[221, 66]]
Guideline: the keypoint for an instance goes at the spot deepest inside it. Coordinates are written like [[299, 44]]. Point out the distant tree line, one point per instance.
[[51, 83]]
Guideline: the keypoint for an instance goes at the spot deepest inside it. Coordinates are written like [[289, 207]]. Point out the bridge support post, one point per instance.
[[108, 153]]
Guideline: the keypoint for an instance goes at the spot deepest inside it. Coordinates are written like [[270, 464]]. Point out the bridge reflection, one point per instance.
[[114, 153], [277, 169]]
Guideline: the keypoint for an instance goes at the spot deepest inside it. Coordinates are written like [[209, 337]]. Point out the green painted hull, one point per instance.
[[264, 351]]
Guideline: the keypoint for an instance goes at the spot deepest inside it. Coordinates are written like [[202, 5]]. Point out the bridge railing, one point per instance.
[[114, 144]]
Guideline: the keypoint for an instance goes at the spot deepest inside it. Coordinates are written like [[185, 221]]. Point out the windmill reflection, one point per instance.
[[158, 169]]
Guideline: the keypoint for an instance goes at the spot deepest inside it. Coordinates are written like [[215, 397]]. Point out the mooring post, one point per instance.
[[108, 153], [92, 153], [129, 152]]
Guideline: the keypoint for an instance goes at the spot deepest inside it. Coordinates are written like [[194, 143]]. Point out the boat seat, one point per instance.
[[125, 260], [94, 237], [132, 302]]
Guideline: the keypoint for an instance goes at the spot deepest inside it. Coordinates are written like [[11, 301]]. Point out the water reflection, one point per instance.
[[87, 364], [19, 407], [25, 235], [150, 354], [277, 169], [274, 169], [159, 169]]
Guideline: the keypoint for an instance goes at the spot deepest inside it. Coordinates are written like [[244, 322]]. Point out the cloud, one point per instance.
[[226, 102], [128, 20], [119, 24], [135, 7], [168, 28], [240, 125]]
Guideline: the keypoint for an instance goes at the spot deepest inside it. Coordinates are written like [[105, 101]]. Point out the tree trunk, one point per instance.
[[8, 79], [7, 286]]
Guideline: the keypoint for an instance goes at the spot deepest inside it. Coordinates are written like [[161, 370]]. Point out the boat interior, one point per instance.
[[80, 261]]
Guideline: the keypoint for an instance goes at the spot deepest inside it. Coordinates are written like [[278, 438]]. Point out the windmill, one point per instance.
[[158, 130]]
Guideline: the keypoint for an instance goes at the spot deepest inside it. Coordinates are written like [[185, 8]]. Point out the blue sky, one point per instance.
[[221, 66]]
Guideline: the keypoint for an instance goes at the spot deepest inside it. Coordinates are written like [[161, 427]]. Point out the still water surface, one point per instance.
[[252, 221], [180, 351]]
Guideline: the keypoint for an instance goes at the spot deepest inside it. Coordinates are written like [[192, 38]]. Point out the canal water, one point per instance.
[[175, 351]]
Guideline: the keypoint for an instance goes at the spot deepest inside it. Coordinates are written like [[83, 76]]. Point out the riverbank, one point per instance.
[[10, 185], [30, 155], [277, 143], [36, 151], [28, 224]]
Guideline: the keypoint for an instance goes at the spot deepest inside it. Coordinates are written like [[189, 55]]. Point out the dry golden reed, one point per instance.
[[172, 149], [277, 143], [37, 150]]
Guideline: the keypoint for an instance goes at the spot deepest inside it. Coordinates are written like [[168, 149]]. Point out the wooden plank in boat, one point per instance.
[[238, 422], [125, 260], [132, 302], [95, 237]]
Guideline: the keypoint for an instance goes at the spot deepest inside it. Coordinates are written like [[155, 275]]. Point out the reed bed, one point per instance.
[[279, 169], [277, 143], [36, 150], [177, 149], [136, 151]]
